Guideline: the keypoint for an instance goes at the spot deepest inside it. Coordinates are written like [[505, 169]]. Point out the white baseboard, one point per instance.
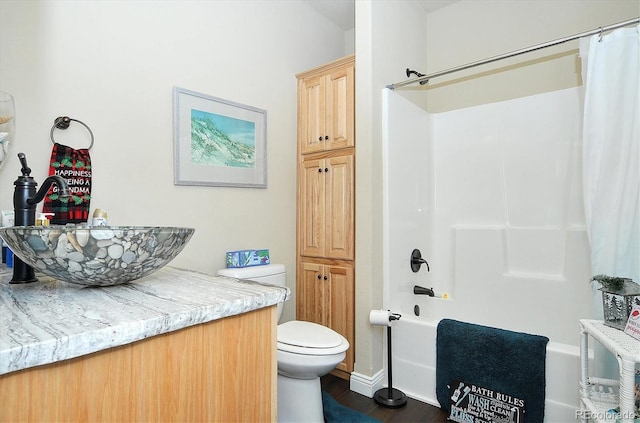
[[367, 385]]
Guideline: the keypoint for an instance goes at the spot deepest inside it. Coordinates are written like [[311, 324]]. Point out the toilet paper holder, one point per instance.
[[383, 317], [390, 397]]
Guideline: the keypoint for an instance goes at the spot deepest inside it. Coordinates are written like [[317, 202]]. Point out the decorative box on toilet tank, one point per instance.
[[617, 303]]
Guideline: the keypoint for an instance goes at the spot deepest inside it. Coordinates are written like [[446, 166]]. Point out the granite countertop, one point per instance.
[[50, 321]]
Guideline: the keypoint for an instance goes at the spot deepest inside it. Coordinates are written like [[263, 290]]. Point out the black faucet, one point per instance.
[[25, 199], [420, 290]]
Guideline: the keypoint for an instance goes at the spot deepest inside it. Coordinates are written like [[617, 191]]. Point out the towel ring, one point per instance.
[[63, 122]]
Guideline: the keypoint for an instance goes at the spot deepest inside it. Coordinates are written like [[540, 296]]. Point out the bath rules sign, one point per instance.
[[474, 404]]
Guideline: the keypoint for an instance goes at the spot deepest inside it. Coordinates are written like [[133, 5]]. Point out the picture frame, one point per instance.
[[218, 142]]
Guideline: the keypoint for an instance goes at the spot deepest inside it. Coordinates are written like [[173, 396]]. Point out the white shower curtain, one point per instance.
[[611, 150], [611, 153]]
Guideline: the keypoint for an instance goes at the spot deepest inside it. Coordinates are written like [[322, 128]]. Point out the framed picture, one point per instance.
[[218, 142]]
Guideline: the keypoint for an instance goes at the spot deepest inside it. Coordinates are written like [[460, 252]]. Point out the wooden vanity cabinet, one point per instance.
[[326, 201], [221, 371]]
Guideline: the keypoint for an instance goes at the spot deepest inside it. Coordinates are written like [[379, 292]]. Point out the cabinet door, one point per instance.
[[340, 108], [326, 105], [325, 295], [311, 115], [339, 303], [311, 205], [339, 207], [309, 293]]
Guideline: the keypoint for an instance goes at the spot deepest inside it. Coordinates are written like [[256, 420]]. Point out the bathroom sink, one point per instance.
[[99, 255]]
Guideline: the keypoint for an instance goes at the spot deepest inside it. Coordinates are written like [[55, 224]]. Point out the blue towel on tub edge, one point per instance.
[[497, 359]]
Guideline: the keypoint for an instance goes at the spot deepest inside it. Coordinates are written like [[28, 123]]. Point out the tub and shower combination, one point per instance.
[[491, 195]]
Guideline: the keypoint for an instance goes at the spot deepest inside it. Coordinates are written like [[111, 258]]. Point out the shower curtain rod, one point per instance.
[[425, 78]]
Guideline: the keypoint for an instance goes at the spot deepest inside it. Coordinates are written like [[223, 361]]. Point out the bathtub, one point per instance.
[[414, 368], [490, 196]]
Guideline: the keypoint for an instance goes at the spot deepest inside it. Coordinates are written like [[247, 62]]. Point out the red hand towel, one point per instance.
[[74, 166]]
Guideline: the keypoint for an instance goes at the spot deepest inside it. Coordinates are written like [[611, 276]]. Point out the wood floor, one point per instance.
[[414, 411]]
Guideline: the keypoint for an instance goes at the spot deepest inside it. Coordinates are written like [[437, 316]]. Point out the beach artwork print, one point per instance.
[[218, 140]]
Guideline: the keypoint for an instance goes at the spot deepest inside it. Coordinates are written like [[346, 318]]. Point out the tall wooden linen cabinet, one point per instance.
[[326, 200]]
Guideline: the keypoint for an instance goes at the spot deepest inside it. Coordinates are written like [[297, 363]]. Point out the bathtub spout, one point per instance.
[[419, 290]]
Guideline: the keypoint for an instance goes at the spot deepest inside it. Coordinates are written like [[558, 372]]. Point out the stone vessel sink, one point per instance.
[[98, 255]]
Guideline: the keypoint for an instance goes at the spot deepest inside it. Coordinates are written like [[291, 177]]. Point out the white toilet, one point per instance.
[[306, 351]]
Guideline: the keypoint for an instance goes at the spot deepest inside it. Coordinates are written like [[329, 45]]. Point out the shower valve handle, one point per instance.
[[417, 261]]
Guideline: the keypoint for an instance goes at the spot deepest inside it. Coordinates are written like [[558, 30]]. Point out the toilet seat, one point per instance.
[[308, 338]]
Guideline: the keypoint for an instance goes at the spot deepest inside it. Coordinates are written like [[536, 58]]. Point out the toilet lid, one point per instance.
[[308, 335]]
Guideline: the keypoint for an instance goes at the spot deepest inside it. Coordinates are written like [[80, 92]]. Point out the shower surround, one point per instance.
[[492, 196]]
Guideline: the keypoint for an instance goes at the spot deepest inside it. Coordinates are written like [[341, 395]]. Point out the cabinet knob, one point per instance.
[[326, 137], [320, 138], [319, 170], [319, 277], [326, 169], [325, 277]]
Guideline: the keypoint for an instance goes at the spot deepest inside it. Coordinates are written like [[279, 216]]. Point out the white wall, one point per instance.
[[113, 65], [471, 30], [388, 35]]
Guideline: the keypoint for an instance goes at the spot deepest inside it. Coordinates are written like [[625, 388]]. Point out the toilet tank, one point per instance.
[[274, 274]]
